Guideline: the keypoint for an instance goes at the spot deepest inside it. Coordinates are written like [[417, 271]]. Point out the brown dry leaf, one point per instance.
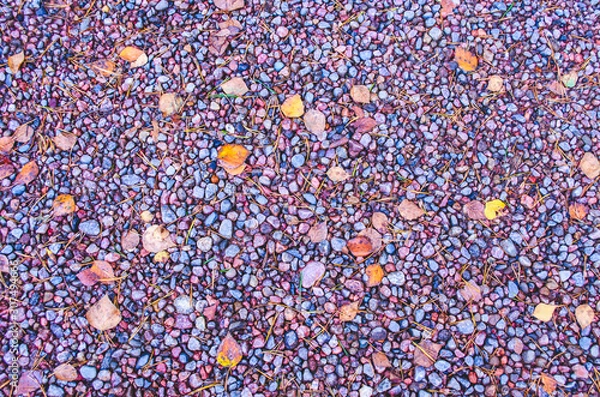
[[548, 383], [447, 7], [23, 133], [236, 86], [590, 165], [360, 246], [578, 211], [293, 106], [495, 84], [63, 204], [232, 25], [141, 61], [65, 141], [374, 274], [426, 353], [380, 221], [229, 5], [318, 232], [157, 238], [6, 170], [312, 273], [103, 315], [15, 61], [231, 157], [315, 123], [475, 210], [360, 93], [169, 104], [380, 361], [6, 144], [409, 210], [584, 315], [27, 174], [65, 372], [29, 383], [544, 312], [131, 54], [99, 272], [471, 292], [374, 236], [465, 59], [229, 353], [87, 277], [218, 42], [130, 240], [337, 174], [104, 67], [349, 311], [364, 124], [557, 88]]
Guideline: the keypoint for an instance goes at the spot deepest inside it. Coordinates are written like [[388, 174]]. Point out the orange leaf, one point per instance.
[[409, 210], [6, 144], [104, 67], [578, 211], [65, 372], [293, 106], [374, 274], [229, 353], [231, 157], [360, 93], [349, 311], [27, 174], [103, 315], [23, 133], [380, 361], [15, 61], [465, 59], [65, 141], [130, 54], [360, 246], [63, 205], [548, 383], [100, 271]]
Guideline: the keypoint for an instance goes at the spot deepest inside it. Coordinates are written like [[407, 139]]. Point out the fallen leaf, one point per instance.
[[65, 372], [231, 157], [590, 165], [23, 133], [130, 240], [232, 25], [380, 221], [147, 216], [495, 84], [426, 353], [6, 170], [409, 210], [218, 42], [157, 238], [318, 232], [557, 88], [364, 124], [493, 208], [236, 86], [584, 315], [374, 236], [29, 383], [99, 272], [103, 315], [360, 93], [6, 144], [161, 257], [578, 211], [374, 274], [141, 61], [229, 353], [570, 79], [465, 59], [360, 246], [229, 5], [293, 106], [337, 174], [312, 273], [380, 361], [65, 141], [447, 7], [544, 312], [27, 174], [475, 210], [131, 54], [548, 383], [15, 61], [349, 311], [104, 67], [315, 123], [169, 104], [471, 292], [63, 204]]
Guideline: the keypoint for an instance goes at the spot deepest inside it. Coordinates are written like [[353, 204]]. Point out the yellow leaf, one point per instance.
[[161, 257], [584, 315], [231, 157], [495, 84], [15, 61], [543, 312], [349, 311], [64, 204], [293, 106], [27, 174], [374, 275], [492, 209], [466, 60], [229, 353], [131, 54]]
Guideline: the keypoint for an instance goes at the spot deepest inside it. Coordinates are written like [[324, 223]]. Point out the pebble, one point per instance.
[[396, 278], [88, 372], [291, 340], [90, 227], [226, 229], [465, 327], [435, 33]]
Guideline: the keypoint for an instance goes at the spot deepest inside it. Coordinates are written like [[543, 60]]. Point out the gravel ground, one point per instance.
[[453, 314]]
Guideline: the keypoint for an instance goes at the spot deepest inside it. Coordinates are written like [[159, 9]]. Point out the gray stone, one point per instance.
[[183, 304], [509, 248], [465, 327], [226, 229], [298, 160], [436, 33], [88, 372], [396, 278], [204, 244], [90, 227]]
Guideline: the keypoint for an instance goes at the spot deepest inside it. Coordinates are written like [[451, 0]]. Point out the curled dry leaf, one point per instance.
[[475, 210], [465, 59], [229, 353], [27, 174], [229, 5], [578, 211], [570, 79], [65, 141], [337, 174], [360, 246], [426, 353], [103, 67], [380, 361], [6, 170], [231, 157], [548, 383], [590, 165], [103, 315], [374, 274], [374, 236], [236, 86], [63, 204], [364, 124], [471, 292], [65, 372], [99, 272], [23, 133], [584, 315], [557, 88], [409, 210], [312, 273], [495, 84], [157, 238], [6, 144], [169, 104], [130, 240], [543, 312], [349, 311], [318, 232], [293, 106], [360, 93], [315, 123], [380, 221], [493, 209], [15, 61]]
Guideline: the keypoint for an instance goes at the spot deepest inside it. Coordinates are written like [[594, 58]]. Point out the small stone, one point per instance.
[[396, 278], [226, 229], [298, 160], [466, 327], [435, 33], [204, 244], [88, 372], [183, 304], [290, 339], [162, 5], [90, 227], [509, 248], [365, 391]]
